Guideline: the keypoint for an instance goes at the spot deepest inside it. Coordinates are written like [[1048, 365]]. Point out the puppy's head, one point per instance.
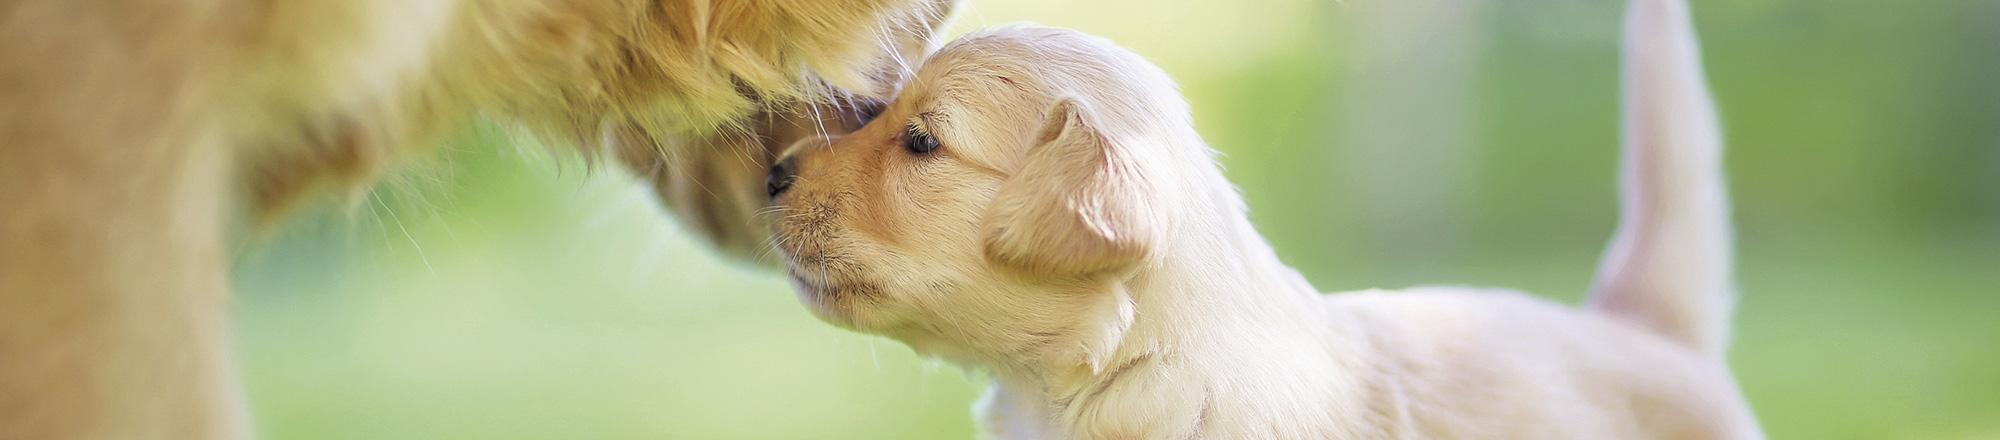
[[1023, 171]]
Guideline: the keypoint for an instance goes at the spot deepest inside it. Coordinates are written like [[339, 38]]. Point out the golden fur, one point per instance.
[[133, 129], [1073, 236]]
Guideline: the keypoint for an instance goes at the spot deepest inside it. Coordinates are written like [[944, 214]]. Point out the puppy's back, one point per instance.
[[1473, 363]]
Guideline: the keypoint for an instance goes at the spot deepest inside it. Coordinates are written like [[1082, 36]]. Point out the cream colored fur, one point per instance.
[[1073, 236], [1670, 260], [131, 130]]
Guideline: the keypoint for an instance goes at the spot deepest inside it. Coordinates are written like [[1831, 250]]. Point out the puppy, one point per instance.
[[1036, 204], [134, 133]]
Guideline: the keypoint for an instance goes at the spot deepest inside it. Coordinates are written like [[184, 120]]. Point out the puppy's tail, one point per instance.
[[1669, 265]]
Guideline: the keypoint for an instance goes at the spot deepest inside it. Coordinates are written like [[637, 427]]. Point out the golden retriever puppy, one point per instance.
[[1036, 204], [134, 132]]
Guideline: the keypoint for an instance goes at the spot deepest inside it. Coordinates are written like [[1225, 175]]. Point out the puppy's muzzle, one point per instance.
[[784, 172]]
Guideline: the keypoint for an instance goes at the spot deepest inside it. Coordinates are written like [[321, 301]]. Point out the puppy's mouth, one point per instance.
[[832, 300], [821, 277], [834, 291], [825, 274]]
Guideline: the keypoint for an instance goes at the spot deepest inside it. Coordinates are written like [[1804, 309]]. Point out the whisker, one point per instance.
[[406, 232]]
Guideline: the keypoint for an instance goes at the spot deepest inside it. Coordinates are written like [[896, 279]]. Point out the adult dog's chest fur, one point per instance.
[[325, 93]]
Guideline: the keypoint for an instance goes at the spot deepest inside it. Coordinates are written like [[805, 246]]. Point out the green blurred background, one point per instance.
[[513, 293]]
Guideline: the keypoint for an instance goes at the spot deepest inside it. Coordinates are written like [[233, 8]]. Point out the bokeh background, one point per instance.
[[514, 293]]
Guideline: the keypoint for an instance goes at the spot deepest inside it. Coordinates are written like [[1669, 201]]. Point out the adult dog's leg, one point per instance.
[[112, 287]]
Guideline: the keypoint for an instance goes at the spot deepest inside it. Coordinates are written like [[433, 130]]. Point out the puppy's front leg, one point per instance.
[[1006, 415]]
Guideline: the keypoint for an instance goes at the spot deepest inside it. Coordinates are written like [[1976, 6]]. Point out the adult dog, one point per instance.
[[134, 129]]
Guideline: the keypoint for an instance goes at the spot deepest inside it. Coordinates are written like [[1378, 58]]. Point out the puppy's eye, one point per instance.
[[918, 142]]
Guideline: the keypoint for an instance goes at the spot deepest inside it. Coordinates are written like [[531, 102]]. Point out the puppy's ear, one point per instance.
[[1078, 207]]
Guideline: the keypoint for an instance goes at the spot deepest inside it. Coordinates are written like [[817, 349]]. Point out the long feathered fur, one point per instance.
[[569, 72]]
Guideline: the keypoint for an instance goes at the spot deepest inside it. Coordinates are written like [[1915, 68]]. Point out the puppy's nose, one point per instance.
[[782, 175]]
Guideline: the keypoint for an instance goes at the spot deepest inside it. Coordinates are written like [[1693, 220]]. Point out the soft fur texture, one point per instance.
[[1074, 237], [133, 128]]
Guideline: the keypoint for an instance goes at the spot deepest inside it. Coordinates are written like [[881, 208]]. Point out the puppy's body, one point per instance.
[[1036, 204], [1462, 363], [1226, 343]]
